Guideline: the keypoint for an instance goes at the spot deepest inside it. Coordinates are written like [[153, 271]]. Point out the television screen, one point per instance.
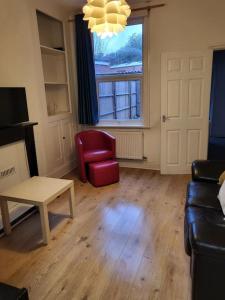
[[13, 106]]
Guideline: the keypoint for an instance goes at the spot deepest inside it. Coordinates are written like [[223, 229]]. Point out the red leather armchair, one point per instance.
[[93, 146]]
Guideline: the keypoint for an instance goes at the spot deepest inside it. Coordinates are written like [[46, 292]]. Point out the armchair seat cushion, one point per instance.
[[97, 155], [204, 195]]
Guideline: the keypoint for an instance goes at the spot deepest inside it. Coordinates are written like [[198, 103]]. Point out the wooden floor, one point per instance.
[[126, 242]]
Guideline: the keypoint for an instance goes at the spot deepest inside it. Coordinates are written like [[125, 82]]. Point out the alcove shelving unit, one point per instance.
[[54, 64], [59, 121]]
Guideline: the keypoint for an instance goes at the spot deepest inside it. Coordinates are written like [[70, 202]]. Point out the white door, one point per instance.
[[68, 140], [54, 146], [186, 83]]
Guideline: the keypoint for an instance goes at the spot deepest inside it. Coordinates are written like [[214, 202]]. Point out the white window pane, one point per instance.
[[116, 58], [105, 89], [119, 100], [121, 54]]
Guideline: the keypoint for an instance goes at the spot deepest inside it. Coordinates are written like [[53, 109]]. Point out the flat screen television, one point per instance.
[[13, 106]]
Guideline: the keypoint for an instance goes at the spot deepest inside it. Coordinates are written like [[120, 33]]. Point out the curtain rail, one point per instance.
[[150, 7]]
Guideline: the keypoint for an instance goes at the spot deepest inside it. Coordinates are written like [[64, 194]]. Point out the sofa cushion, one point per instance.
[[207, 237], [192, 214], [201, 194], [204, 215], [207, 171]]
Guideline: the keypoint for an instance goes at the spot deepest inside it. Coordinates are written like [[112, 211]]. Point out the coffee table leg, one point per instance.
[[5, 217], [72, 202], [44, 223]]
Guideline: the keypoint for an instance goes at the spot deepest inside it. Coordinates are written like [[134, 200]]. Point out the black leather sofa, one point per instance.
[[8, 292], [204, 231]]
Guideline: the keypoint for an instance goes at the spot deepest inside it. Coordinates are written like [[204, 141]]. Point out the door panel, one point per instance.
[[173, 153], [195, 98], [54, 146], [173, 99], [197, 63], [68, 140], [186, 81], [174, 65], [193, 145]]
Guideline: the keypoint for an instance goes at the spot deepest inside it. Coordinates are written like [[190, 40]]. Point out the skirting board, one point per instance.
[[65, 169], [139, 165], [136, 164]]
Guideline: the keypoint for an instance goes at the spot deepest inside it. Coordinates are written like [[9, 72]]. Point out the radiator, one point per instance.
[[129, 145]]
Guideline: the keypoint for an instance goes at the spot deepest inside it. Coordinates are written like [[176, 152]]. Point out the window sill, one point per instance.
[[121, 126]]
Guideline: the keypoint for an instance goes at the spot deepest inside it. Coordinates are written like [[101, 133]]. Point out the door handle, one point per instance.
[[165, 118]]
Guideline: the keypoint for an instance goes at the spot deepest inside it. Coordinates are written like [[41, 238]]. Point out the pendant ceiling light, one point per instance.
[[106, 17]]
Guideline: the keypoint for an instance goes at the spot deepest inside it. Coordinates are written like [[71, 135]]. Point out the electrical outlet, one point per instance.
[[7, 172]]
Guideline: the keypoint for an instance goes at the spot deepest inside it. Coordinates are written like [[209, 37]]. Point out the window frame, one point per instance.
[[140, 18]]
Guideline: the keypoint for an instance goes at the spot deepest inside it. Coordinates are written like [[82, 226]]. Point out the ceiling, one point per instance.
[[77, 4]]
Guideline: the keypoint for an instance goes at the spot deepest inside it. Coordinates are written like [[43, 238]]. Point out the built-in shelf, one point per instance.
[[56, 83], [52, 51], [54, 63], [57, 98], [60, 113]]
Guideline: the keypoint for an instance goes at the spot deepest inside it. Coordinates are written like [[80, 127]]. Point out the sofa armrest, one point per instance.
[[207, 170]]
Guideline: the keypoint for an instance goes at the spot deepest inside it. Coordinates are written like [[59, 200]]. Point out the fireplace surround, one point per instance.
[[22, 131], [17, 132]]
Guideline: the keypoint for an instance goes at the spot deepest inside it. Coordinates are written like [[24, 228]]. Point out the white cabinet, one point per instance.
[[68, 139], [58, 119], [60, 150], [54, 148]]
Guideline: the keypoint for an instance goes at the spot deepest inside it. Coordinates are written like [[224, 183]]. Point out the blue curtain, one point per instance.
[[216, 150], [87, 93]]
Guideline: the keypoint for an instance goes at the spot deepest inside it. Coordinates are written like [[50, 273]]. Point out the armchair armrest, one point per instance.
[[80, 148], [80, 158], [207, 170], [111, 141]]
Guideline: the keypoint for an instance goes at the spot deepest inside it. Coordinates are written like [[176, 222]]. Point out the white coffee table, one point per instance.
[[38, 191]]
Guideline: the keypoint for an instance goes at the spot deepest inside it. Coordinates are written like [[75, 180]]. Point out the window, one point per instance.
[[119, 68]]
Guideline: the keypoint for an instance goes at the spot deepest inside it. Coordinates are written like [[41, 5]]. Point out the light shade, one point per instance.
[[106, 17]]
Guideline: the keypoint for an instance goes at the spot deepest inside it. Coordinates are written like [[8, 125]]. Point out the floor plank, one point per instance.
[[126, 242]]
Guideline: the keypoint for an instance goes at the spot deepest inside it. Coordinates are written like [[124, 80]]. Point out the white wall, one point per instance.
[[20, 58], [182, 25]]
